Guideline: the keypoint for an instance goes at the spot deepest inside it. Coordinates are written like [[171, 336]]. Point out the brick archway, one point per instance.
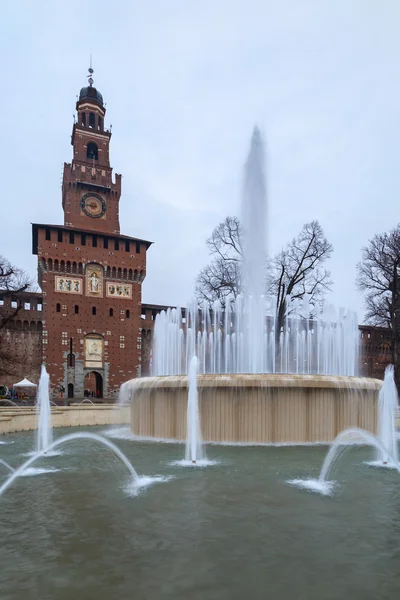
[[93, 385]]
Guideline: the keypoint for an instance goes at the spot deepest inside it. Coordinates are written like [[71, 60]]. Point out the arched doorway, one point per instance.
[[93, 385], [70, 390]]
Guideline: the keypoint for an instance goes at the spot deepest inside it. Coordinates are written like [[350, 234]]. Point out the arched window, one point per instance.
[[50, 264], [111, 312], [93, 310], [25, 326], [119, 273], [108, 272], [76, 309], [135, 275], [68, 266], [62, 266], [56, 265], [130, 275], [58, 307], [33, 326], [80, 268], [39, 326], [83, 119], [100, 122], [114, 273], [92, 120], [74, 267], [125, 274], [127, 314], [92, 151]]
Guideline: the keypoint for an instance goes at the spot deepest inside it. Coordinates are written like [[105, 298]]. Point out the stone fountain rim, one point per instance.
[[272, 380]]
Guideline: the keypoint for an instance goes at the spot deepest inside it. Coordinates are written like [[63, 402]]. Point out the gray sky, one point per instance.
[[184, 82]]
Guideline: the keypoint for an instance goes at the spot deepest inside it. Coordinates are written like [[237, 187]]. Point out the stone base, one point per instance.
[[259, 409], [25, 419]]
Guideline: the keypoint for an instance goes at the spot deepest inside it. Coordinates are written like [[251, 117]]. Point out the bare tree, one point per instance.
[[299, 270], [13, 281], [378, 278], [221, 279]]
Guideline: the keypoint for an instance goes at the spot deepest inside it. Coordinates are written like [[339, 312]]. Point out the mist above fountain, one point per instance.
[[242, 336]]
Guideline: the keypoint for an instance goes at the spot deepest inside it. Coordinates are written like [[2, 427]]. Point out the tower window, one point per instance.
[[111, 312], [137, 247], [100, 121], [127, 314], [94, 241], [116, 244], [48, 236], [83, 119], [83, 239], [93, 310], [92, 120], [92, 151], [127, 246], [76, 309], [106, 243], [58, 307], [60, 235], [71, 237]]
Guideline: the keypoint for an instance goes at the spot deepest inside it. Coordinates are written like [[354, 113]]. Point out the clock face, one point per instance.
[[93, 205]]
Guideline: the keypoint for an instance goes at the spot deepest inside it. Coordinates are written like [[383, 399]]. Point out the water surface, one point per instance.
[[231, 531]]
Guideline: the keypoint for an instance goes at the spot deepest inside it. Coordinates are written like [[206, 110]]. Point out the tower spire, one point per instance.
[[91, 71]]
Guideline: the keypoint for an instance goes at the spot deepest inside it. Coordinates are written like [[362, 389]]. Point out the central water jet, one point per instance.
[[44, 435], [194, 446]]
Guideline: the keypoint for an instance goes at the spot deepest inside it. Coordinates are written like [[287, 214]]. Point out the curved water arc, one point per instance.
[[333, 452], [64, 439], [12, 403], [9, 467]]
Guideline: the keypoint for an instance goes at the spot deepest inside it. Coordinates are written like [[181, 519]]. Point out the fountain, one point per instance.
[[255, 385], [44, 436], [137, 482], [324, 485], [388, 405], [194, 445]]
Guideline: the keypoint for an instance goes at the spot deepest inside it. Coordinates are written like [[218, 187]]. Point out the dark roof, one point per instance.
[[159, 307], [36, 226], [90, 93]]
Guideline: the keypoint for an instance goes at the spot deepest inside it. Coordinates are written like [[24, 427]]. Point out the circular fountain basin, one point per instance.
[[256, 409]]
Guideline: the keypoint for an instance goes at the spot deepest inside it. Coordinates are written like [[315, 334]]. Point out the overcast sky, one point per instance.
[[184, 82]]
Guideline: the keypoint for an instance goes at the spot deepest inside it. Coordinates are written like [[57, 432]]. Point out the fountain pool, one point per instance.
[[232, 531]]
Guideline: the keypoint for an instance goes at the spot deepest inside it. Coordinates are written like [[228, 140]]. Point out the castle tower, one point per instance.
[[91, 275]]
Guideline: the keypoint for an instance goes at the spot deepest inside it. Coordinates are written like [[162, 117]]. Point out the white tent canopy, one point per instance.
[[25, 383]]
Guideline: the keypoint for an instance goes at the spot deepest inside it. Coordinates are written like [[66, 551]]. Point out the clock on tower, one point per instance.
[[90, 193], [93, 205]]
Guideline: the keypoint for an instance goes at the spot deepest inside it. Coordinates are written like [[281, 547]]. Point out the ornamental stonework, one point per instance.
[[69, 285], [115, 290], [94, 280]]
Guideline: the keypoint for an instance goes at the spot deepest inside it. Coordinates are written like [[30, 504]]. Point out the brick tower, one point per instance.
[[91, 275]]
